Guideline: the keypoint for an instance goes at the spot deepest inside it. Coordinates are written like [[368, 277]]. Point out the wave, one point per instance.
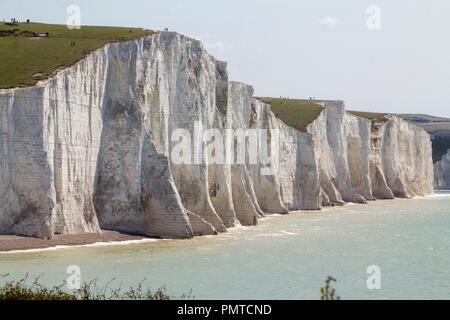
[[439, 194], [95, 244], [289, 233]]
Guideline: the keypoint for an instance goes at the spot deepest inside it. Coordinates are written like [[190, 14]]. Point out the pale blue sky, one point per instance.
[[283, 49]]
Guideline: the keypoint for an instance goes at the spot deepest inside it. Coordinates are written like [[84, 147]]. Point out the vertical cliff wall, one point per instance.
[[361, 159], [295, 185], [407, 166], [380, 188], [442, 173], [50, 139], [342, 147], [93, 148]]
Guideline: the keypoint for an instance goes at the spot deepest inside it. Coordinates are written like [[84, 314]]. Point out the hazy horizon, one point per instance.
[[300, 49]]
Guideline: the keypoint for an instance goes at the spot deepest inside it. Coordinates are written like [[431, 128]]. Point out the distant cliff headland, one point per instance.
[[89, 146]]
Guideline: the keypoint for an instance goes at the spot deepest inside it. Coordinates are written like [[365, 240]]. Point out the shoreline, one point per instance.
[[10, 244], [18, 244]]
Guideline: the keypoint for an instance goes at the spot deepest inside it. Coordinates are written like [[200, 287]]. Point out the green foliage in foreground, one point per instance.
[[25, 59], [440, 147], [296, 113], [328, 292], [34, 290], [24, 289]]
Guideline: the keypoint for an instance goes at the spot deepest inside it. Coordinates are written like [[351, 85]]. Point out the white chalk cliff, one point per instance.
[[442, 172], [90, 149]]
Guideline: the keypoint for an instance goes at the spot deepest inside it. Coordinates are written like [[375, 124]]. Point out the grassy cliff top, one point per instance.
[[417, 118], [296, 113], [24, 59], [422, 118], [370, 115], [299, 113]]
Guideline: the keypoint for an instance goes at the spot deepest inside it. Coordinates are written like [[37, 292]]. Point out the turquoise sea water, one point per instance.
[[284, 257]]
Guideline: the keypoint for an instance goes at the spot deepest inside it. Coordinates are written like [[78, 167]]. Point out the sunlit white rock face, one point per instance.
[[362, 160], [91, 148], [442, 173], [50, 139], [406, 158], [342, 145]]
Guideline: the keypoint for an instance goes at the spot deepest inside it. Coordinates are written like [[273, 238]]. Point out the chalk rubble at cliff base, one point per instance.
[[90, 149]]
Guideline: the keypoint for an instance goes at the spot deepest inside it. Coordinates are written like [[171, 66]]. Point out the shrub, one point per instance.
[[328, 292], [23, 289]]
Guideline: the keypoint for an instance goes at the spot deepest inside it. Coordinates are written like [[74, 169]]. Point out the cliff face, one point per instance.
[[442, 173], [342, 147], [92, 148], [50, 139], [406, 150], [295, 185], [362, 160]]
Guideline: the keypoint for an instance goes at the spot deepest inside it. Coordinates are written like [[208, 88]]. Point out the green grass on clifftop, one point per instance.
[[422, 118], [370, 115], [296, 113], [25, 59]]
